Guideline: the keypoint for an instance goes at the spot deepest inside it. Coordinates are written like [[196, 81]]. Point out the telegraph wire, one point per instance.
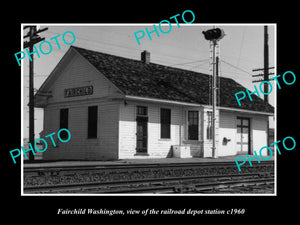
[[191, 62], [241, 47], [236, 67], [158, 55], [161, 58], [98, 42]]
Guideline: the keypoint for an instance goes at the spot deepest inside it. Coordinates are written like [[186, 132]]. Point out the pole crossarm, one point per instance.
[[259, 69], [27, 44], [261, 74]]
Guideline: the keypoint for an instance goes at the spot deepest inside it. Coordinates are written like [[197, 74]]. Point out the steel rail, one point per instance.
[[116, 186], [136, 166], [192, 188]]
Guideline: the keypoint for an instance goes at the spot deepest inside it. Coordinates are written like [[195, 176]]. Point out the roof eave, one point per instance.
[[165, 101], [156, 100], [246, 111]]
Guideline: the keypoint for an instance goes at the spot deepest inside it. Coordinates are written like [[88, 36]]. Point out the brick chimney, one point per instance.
[[145, 57]]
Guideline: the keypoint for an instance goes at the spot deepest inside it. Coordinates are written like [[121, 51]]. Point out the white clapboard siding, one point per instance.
[[109, 130], [77, 72], [127, 131], [157, 147], [228, 129], [105, 146], [207, 143], [260, 134]]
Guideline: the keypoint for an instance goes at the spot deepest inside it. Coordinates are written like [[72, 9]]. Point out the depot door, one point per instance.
[[243, 135], [141, 130]]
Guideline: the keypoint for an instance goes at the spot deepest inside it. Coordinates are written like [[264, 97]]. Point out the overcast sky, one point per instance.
[[241, 51]]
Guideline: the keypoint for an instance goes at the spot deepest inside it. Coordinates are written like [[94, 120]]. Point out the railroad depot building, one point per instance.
[[118, 108]]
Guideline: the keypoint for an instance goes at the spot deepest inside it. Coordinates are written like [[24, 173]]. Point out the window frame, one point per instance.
[[141, 110]]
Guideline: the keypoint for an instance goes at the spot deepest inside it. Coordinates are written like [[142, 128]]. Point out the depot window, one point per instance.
[[209, 130], [165, 123], [193, 125], [92, 121], [64, 122]]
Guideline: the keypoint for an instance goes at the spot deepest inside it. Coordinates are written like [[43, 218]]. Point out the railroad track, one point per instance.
[[229, 186], [192, 185], [145, 178]]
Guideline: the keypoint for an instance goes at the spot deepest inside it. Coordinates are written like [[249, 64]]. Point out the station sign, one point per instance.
[[78, 91]]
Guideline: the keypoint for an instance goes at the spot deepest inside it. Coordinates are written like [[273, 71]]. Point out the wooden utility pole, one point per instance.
[[31, 95], [265, 74], [33, 39], [266, 66], [266, 63]]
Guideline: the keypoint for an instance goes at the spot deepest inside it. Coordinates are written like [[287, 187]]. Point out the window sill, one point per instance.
[[141, 154], [192, 141], [165, 139]]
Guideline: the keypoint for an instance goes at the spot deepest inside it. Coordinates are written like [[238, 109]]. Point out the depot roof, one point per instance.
[[150, 80]]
